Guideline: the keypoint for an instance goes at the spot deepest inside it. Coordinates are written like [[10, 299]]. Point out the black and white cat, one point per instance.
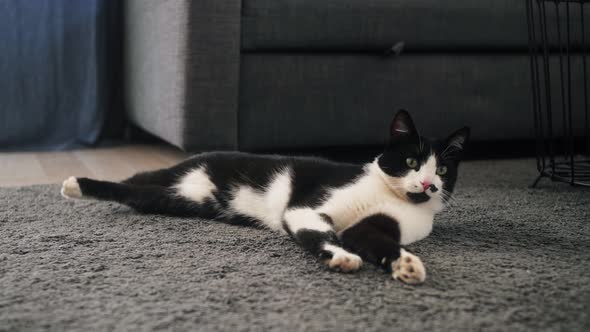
[[342, 213]]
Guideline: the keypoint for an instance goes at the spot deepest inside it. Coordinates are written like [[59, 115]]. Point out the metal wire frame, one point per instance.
[[562, 153]]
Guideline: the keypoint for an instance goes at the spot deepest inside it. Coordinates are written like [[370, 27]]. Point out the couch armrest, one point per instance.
[[182, 70]]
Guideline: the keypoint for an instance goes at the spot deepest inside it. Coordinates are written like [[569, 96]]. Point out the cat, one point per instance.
[[341, 213]]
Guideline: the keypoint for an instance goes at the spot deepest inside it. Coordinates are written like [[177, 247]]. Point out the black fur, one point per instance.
[[313, 241], [376, 239], [327, 218], [418, 197]]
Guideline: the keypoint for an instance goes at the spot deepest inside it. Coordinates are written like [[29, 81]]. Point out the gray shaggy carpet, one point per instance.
[[504, 257]]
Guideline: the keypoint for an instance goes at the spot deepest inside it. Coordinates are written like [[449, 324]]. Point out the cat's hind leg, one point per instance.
[[143, 198], [314, 232], [163, 177], [71, 189]]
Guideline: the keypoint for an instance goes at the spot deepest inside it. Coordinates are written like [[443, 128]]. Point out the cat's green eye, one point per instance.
[[441, 170], [412, 162]]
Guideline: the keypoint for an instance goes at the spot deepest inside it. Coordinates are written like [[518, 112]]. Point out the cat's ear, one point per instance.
[[402, 125], [456, 141]]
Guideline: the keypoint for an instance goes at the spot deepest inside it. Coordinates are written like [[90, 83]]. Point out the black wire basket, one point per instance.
[[558, 46]]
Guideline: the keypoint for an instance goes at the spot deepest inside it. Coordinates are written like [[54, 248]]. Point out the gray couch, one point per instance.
[[267, 74]]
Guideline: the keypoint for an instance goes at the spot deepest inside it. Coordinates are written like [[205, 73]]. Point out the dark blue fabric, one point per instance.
[[54, 87]]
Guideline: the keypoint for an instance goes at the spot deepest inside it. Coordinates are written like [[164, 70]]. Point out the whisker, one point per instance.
[[447, 197], [446, 192]]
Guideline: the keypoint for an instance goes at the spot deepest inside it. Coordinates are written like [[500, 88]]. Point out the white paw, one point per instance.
[[345, 262], [342, 260], [409, 269], [70, 188]]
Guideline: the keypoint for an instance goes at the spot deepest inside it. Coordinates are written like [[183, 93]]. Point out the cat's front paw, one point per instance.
[[70, 188], [409, 269], [345, 262]]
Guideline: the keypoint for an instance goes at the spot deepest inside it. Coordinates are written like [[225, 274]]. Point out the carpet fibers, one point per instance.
[[503, 257]]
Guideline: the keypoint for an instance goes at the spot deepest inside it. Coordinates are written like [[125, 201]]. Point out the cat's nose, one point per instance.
[[425, 185]]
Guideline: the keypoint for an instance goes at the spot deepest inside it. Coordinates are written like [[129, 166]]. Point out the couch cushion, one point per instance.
[[307, 100], [378, 24]]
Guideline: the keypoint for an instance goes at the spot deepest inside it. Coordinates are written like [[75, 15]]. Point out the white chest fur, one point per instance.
[[369, 195]]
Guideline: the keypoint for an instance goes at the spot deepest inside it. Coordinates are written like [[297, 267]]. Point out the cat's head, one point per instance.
[[418, 168]]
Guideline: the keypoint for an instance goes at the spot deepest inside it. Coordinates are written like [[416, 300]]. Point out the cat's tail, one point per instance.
[[143, 198]]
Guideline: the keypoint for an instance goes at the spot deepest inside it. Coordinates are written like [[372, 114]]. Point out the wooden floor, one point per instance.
[[117, 163]]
